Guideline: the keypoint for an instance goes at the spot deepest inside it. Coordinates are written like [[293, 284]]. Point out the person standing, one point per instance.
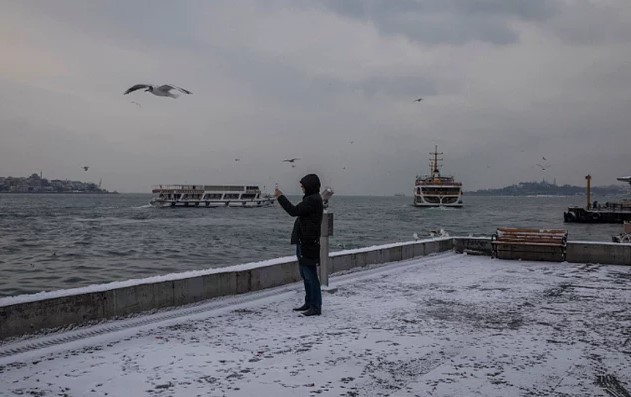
[[306, 236]]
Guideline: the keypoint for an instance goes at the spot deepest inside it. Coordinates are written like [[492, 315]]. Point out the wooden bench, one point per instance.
[[529, 244]]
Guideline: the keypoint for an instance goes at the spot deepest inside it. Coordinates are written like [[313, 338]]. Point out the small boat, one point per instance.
[[435, 190], [618, 211], [209, 196]]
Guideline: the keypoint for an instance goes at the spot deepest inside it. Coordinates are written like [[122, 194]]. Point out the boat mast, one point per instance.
[[434, 163]]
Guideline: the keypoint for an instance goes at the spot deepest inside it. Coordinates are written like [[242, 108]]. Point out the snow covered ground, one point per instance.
[[444, 325]]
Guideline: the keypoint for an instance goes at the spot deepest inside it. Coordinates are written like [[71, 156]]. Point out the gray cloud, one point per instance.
[[505, 83], [448, 21]]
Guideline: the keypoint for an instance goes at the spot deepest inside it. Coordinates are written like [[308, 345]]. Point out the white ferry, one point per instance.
[[435, 190], [209, 196]]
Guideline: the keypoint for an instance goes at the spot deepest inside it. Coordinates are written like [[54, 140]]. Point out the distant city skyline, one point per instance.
[[512, 91]]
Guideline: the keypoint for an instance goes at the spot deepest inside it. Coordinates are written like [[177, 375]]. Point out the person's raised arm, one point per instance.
[[305, 207]]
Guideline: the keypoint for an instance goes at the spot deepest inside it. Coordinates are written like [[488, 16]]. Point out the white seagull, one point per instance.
[[159, 90]]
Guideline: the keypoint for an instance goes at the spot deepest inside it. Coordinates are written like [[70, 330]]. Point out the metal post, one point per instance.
[[326, 231], [589, 179]]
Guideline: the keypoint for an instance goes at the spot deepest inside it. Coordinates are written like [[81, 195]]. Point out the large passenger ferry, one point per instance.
[[435, 190], [209, 196]]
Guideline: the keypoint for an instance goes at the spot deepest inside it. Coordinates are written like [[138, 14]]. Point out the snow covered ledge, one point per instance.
[[27, 314]]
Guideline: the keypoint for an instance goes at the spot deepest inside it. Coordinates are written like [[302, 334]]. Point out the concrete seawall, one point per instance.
[[605, 253], [83, 307]]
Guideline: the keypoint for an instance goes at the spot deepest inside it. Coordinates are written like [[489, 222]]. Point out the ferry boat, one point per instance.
[[209, 196], [435, 190]]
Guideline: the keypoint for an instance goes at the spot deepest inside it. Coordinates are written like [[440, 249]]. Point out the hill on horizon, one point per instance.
[[547, 188]]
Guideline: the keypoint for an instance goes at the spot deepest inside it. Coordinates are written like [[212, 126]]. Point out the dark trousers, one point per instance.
[[309, 274]]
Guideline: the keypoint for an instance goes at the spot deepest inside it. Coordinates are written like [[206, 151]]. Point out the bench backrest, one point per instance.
[[525, 235]]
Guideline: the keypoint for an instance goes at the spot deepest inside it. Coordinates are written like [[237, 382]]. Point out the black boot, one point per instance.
[[312, 312], [301, 308]]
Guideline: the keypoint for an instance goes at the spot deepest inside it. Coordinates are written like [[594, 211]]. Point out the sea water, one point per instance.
[[57, 241]]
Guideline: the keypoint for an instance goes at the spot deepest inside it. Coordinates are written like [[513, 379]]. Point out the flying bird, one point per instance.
[[237, 159], [418, 100], [543, 166], [137, 104], [85, 167], [290, 160], [544, 159], [159, 90]]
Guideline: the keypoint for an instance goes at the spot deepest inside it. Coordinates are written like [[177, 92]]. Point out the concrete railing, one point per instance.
[[83, 307], [596, 252]]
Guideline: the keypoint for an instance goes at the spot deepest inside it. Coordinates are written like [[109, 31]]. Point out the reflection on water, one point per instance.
[[62, 241]]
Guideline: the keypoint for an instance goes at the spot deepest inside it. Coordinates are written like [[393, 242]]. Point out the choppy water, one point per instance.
[[50, 242]]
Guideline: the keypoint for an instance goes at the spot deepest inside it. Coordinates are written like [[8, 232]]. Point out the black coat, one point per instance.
[[306, 230]]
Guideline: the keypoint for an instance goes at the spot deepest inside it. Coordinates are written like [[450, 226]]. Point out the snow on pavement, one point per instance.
[[444, 325]]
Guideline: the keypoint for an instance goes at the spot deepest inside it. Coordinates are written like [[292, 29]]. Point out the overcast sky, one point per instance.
[[505, 83]]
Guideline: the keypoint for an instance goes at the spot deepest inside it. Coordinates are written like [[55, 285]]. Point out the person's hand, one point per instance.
[[277, 193]]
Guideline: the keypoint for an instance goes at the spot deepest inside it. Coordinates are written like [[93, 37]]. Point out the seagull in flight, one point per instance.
[[543, 166], [290, 160], [418, 100], [159, 90], [137, 104], [85, 167]]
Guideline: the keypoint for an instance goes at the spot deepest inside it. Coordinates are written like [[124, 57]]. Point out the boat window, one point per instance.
[[223, 188], [248, 196], [231, 196]]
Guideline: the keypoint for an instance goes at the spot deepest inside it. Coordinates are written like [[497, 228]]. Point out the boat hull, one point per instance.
[[582, 215], [424, 205], [437, 201], [265, 202]]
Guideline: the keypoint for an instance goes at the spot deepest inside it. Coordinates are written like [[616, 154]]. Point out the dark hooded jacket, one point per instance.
[[306, 230]]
